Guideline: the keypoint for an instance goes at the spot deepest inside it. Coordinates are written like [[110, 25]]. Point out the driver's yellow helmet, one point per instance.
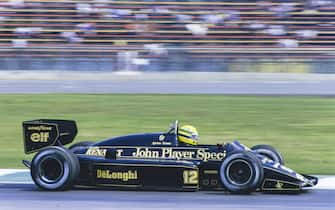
[[188, 135]]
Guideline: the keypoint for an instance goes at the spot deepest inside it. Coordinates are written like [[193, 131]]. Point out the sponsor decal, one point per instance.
[[117, 175], [161, 141], [279, 185], [39, 137], [96, 151], [41, 134], [170, 153], [40, 128], [161, 138], [273, 184]]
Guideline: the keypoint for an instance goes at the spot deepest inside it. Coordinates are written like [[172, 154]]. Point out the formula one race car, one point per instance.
[[153, 161]]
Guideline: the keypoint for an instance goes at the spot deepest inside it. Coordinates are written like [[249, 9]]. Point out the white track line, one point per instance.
[[4, 172], [326, 182]]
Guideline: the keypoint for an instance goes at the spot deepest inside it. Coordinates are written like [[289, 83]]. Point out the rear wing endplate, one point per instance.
[[41, 133]]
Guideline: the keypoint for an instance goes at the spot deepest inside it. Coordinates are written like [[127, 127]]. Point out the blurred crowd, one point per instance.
[[165, 35], [137, 33], [136, 21]]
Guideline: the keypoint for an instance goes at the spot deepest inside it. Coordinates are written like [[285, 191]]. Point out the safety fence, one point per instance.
[[160, 58]]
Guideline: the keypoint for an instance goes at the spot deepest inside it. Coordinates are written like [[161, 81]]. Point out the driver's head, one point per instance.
[[188, 135]]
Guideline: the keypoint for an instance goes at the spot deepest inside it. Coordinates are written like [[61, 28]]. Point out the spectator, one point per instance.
[[184, 18], [197, 29], [288, 43], [282, 10], [315, 4], [71, 37], [84, 8], [19, 43], [125, 60], [256, 25], [161, 10], [232, 15], [275, 30], [141, 16], [18, 4], [119, 13], [27, 31], [156, 49], [86, 28], [2, 18], [307, 34], [100, 3], [212, 18], [265, 5]]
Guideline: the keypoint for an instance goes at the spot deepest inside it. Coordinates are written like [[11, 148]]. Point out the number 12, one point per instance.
[[191, 177]]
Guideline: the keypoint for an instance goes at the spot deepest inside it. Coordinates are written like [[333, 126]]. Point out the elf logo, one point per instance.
[[39, 137]]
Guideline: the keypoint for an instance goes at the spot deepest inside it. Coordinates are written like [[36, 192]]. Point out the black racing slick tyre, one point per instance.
[[54, 168], [269, 152], [241, 172], [79, 145]]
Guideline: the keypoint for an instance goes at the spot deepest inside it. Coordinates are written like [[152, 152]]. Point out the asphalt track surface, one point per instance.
[[321, 87], [27, 196]]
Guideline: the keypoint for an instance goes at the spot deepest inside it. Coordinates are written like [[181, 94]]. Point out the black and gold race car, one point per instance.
[[152, 161]]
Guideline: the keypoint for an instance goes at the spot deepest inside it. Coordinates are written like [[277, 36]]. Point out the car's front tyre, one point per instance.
[[269, 152], [241, 172], [54, 168]]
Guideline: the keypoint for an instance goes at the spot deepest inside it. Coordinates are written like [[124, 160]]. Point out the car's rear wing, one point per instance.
[[41, 133]]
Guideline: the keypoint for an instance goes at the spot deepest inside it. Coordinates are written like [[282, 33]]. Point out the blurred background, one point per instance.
[[169, 35]]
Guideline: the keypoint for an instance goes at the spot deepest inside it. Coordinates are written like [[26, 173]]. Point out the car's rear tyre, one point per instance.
[[269, 152], [80, 145], [54, 168], [241, 172]]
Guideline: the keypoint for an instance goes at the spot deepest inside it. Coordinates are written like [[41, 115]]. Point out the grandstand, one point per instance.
[[197, 30]]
